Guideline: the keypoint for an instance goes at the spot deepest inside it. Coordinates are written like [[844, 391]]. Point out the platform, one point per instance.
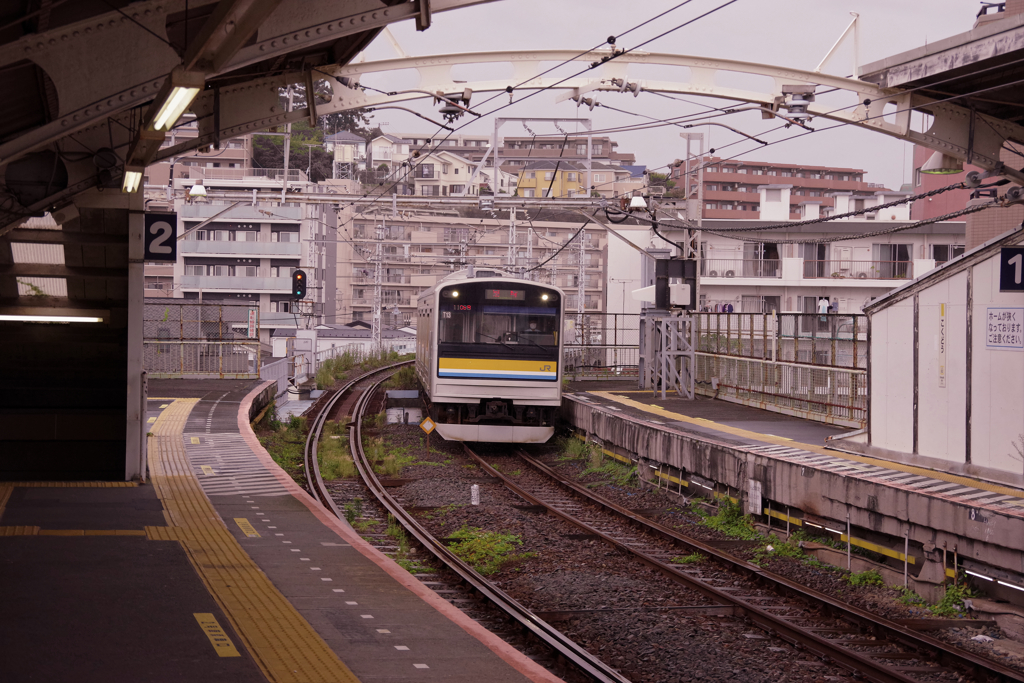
[[789, 465], [219, 568]]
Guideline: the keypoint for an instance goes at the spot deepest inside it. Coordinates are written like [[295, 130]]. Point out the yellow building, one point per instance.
[[541, 179]]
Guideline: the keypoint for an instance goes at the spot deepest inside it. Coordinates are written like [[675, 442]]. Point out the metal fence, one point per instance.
[[809, 365], [831, 340], [196, 339], [740, 268], [601, 346]]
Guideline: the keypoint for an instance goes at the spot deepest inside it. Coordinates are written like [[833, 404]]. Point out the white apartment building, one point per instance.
[[790, 270], [419, 250]]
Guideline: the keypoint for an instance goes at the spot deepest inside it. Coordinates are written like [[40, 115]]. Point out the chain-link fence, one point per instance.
[[197, 339], [601, 345]]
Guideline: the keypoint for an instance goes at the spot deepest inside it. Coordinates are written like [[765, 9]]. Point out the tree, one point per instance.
[[307, 152]]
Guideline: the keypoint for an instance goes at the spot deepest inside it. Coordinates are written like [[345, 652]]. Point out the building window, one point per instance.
[[549, 175], [917, 177], [599, 177], [530, 175], [425, 171], [246, 271], [547, 191], [741, 170], [528, 192], [428, 190], [284, 306], [581, 149], [946, 252], [456, 189], [195, 270]]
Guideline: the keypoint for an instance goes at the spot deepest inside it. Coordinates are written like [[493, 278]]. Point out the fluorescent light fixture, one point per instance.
[[1010, 585], [132, 179], [942, 164], [177, 93], [980, 576], [50, 319], [833, 531]]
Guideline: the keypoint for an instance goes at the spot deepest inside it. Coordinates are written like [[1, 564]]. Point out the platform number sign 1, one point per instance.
[[161, 237], [1011, 269]]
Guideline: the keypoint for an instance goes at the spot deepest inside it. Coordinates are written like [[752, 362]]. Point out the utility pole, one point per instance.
[[287, 148], [378, 268], [529, 252], [580, 280], [511, 238]]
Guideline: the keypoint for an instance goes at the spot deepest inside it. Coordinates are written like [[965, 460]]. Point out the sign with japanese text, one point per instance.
[[942, 346], [254, 317], [1004, 328]]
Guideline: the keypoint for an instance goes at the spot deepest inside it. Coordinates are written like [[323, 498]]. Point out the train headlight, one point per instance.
[[543, 297], [455, 294]]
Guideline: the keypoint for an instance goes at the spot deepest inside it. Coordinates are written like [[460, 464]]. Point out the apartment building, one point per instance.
[[419, 250], [791, 271], [247, 254], [731, 187]]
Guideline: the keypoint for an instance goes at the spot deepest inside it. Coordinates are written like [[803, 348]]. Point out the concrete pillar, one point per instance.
[[135, 436]]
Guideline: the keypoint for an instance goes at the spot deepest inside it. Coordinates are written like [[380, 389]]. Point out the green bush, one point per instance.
[[692, 558], [405, 378], [485, 551], [730, 520], [871, 577], [952, 603]]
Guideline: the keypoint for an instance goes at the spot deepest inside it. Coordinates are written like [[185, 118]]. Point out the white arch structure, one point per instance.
[[949, 131]]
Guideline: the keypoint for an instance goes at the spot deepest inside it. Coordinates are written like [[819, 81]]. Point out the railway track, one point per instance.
[[870, 647], [463, 586]]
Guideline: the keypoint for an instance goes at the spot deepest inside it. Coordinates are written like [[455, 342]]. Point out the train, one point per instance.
[[488, 354]]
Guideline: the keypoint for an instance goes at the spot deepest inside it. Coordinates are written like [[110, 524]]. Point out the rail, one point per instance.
[[310, 461], [861, 664], [529, 622]]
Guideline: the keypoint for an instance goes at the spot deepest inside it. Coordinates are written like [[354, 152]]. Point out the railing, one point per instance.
[[810, 365], [741, 268], [831, 340], [278, 371], [604, 346], [210, 359], [832, 395], [202, 172], [859, 270]]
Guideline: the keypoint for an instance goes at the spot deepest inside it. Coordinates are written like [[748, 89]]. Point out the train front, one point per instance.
[[498, 374]]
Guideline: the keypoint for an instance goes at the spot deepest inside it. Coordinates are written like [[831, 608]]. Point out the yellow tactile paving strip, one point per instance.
[[283, 644], [782, 441]]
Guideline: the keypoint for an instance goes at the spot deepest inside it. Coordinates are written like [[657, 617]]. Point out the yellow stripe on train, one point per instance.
[[497, 367]]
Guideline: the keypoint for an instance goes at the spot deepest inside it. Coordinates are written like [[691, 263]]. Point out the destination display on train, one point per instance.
[[505, 294]]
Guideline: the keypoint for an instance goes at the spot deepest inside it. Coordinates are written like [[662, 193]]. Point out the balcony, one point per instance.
[[859, 270], [282, 285], [242, 213], [267, 249], [729, 268], [277, 174]]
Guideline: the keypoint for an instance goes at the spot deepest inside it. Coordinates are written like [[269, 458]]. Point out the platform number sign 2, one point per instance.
[[1011, 269], [161, 237]]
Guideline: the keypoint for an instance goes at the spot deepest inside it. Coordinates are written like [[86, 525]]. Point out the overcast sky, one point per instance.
[[794, 33]]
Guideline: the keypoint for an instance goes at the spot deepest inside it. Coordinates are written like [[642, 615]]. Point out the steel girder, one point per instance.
[[105, 68]]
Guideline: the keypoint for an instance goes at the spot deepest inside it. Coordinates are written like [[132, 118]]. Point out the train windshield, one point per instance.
[[521, 321]]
